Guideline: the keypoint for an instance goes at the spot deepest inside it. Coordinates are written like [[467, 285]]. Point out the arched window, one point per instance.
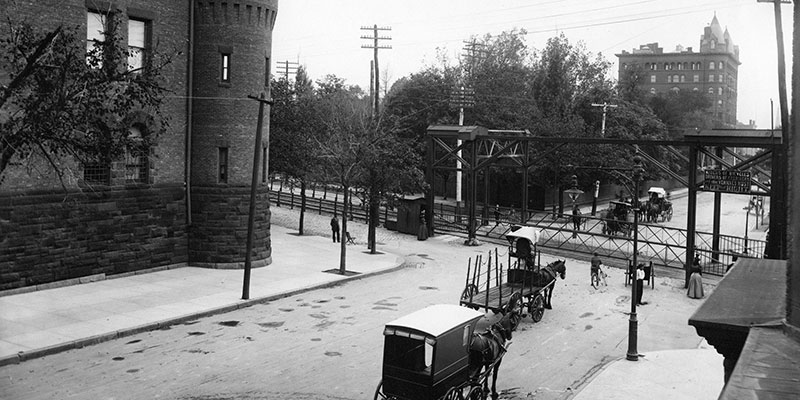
[[669, 78], [711, 65], [675, 78], [683, 78], [653, 90], [675, 89], [720, 65], [711, 90], [136, 160], [719, 91], [680, 66], [666, 66]]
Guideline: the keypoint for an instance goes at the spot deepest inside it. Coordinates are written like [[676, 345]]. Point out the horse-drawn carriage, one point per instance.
[[524, 286], [436, 353], [618, 219], [658, 206]]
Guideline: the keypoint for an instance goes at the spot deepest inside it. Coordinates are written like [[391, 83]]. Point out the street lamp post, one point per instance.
[[573, 194], [633, 323]]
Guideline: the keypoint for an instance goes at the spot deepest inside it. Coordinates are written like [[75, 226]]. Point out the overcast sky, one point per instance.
[[324, 35]]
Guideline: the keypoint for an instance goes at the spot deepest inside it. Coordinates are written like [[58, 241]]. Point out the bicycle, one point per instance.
[[597, 276]]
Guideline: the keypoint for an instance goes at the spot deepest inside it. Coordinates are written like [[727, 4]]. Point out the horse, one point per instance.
[[653, 211], [548, 274], [488, 347]]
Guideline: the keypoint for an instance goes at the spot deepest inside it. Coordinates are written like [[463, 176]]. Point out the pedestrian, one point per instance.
[[335, 229], [497, 214], [696, 280], [576, 221], [596, 272], [640, 284]]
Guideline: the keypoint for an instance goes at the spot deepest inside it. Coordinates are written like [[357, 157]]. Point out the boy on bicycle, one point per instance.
[[596, 272]]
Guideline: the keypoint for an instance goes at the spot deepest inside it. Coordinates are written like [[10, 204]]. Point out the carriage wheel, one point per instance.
[[669, 215], [536, 308], [515, 302], [379, 391]]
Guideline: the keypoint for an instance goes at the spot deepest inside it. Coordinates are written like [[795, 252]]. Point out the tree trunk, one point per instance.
[[302, 206], [374, 208], [343, 242]]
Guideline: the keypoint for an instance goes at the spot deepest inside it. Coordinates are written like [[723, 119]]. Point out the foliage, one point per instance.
[[62, 101]]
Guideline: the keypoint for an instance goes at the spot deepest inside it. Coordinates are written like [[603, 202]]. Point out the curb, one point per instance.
[[96, 339]]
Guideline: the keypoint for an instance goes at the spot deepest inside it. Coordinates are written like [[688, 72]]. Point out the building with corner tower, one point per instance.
[[712, 69], [185, 202]]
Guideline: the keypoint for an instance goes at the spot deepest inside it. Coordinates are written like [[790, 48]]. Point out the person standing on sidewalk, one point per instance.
[[335, 229], [696, 280], [640, 284]]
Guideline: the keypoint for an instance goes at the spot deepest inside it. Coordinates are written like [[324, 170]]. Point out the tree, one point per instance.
[[339, 145], [292, 129], [62, 101]]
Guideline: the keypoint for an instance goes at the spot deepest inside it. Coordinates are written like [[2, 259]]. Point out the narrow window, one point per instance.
[[719, 77], [711, 90], [652, 79], [264, 156], [652, 90], [669, 78], [719, 91], [266, 72], [696, 78], [711, 65], [711, 78], [223, 165], [720, 65], [225, 69], [136, 162], [137, 41], [683, 78]]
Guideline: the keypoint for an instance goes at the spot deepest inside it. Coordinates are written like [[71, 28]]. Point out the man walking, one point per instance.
[[335, 229], [640, 284]]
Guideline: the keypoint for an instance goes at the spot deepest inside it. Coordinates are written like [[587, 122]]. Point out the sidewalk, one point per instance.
[[660, 375], [43, 322]]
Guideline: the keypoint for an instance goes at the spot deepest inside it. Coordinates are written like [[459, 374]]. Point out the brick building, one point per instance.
[[184, 203], [712, 70]]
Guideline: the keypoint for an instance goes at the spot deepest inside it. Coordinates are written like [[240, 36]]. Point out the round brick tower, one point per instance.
[[231, 58]]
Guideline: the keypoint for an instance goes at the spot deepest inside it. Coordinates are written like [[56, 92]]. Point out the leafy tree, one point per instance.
[[293, 125], [61, 101]]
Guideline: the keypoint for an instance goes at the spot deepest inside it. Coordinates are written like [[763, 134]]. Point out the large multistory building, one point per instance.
[[712, 70], [185, 202]]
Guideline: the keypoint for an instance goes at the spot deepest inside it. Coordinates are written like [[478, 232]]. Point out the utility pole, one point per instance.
[[262, 100], [605, 108], [777, 243], [464, 97], [375, 46], [287, 67]]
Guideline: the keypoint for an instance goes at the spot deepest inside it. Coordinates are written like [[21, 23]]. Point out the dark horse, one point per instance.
[[488, 347], [548, 274]]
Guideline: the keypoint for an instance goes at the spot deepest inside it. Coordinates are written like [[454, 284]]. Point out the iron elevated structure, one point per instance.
[[522, 151]]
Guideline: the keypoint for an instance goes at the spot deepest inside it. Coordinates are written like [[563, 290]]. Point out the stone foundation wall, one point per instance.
[[219, 227], [53, 236]]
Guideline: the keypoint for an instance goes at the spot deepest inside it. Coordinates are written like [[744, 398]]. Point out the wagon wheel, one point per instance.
[[475, 392], [669, 214], [455, 393], [515, 302], [536, 308], [468, 292], [379, 391]]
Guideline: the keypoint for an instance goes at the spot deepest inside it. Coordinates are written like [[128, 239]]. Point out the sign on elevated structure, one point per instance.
[[727, 181]]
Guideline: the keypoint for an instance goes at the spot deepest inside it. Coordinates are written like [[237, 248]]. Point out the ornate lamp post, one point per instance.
[[573, 194], [633, 323]]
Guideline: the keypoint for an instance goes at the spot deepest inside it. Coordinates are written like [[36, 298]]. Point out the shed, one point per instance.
[[408, 214]]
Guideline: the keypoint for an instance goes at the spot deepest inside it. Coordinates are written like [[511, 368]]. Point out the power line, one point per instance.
[[287, 67]]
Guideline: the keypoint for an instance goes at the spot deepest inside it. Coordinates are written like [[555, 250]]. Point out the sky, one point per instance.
[[324, 36]]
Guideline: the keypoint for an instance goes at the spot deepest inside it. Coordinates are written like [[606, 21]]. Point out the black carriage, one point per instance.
[[618, 219], [519, 287], [658, 208], [426, 355]]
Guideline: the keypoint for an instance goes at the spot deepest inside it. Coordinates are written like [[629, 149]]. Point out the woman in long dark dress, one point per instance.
[[696, 280]]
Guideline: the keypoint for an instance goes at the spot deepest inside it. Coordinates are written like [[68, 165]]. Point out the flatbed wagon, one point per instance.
[[521, 286]]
